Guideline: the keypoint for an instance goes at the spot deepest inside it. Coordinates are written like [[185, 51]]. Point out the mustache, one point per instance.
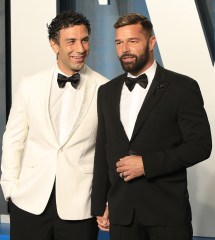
[[127, 55]]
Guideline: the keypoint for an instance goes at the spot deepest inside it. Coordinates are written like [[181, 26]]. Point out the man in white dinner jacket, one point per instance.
[[48, 145]]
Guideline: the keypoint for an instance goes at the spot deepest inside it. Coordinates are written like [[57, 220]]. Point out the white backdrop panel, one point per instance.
[[30, 49], [183, 49]]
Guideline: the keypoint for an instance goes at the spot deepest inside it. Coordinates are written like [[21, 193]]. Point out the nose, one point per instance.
[[125, 47], [79, 47]]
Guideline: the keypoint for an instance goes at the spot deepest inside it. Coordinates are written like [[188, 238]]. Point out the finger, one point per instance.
[[102, 225], [108, 223], [105, 221], [125, 158], [99, 218], [106, 214], [120, 169], [128, 178], [119, 164]]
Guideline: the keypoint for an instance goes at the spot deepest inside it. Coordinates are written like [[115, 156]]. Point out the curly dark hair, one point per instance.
[[66, 19]]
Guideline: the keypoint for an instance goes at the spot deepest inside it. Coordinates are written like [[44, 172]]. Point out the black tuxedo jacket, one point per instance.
[[171, 133]]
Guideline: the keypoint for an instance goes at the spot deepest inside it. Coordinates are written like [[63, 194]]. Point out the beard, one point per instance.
[[139, 63]]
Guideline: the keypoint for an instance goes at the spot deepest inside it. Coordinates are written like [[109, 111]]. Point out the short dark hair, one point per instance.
[[66, 19], [134, 18]]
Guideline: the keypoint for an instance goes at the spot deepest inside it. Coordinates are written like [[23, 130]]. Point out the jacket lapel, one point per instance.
[[114, 101], [46, 81], [89, 89], [117, 103], [156, 90]]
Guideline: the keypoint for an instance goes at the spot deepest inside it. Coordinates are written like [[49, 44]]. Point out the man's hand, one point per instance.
[[103, 221], [130, 167]]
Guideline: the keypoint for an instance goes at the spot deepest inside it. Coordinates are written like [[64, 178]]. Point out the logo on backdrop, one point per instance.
[[104, 2]]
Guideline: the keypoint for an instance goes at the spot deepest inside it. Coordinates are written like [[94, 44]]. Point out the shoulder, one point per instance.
[[29, 86], [179, 84], [112, 87], [174, 76], [175, 80], [36, 79]]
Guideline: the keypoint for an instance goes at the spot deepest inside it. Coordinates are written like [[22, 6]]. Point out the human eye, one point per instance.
[[118, 42], [71, 41], [133, 41], [85, 40]]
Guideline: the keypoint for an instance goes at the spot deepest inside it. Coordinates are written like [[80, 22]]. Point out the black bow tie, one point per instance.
[[62, 80], [142, 80]]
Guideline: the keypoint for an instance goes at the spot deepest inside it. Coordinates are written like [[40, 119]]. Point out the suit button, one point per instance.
[[131, 152]]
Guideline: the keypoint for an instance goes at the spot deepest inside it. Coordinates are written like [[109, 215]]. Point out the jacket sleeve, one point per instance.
[[101, 183], [195, 130], [13, 144]]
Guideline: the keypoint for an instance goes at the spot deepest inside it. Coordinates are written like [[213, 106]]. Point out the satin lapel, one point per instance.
[[90, 87], [115, 98], [156, 90], [45, 97]]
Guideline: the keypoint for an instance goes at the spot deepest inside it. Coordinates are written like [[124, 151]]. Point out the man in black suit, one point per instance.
[[151, 128]]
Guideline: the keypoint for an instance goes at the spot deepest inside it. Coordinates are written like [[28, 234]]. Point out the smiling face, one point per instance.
[[72, 48], [134, 48]]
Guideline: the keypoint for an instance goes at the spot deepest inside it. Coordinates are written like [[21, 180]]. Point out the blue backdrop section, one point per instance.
[[103, 236], [4, 231], [103, 57]]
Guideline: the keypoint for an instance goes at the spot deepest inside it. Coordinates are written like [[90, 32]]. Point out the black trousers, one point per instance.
[[48, 225], [136, 231]]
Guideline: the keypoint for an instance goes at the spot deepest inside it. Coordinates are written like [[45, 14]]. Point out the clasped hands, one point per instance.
[[103, 221]]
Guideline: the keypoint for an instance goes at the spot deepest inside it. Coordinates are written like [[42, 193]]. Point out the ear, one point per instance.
[[152, 42], [54, 46]]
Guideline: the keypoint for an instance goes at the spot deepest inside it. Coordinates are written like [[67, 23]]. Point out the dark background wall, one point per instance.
[[2, 86]]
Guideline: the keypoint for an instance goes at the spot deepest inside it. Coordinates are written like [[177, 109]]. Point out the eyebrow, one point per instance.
[[84, 38], [133, 38]]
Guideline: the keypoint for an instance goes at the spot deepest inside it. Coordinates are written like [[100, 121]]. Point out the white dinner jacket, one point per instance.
[[33, 159]]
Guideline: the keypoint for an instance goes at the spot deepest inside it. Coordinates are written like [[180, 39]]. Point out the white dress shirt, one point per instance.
[[131, 102], [65, 104]]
